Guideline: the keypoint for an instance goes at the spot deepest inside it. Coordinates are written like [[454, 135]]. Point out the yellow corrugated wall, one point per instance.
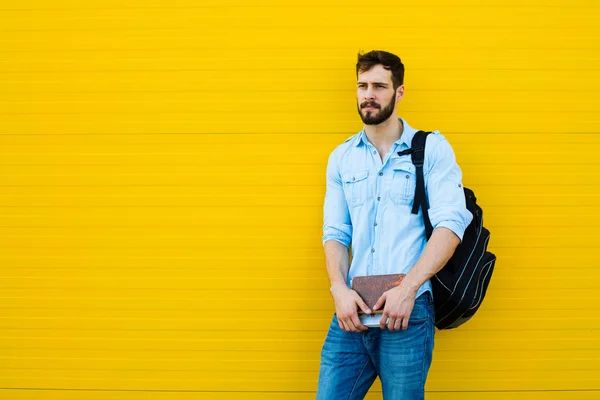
[[162, 171]]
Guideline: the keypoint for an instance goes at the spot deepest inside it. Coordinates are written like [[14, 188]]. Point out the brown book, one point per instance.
[[370, 288]]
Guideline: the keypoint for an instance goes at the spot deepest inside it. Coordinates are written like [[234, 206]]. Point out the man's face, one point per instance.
[[376, 95]]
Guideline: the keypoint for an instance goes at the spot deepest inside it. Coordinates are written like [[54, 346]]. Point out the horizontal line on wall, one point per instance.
[[294, 90], [242, 330], [554, 185], [303, 352], [203, 309], [523, 166], [194, 206], [215, 290], [265, 372], [286, 69], [314, 226], [328, 112], [311, 28], [299, 5], [288, 391], [279, 135], [291, 47], [242, 206], [520, 331]]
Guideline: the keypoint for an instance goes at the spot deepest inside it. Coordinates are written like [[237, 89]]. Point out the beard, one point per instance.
[[373, 117]]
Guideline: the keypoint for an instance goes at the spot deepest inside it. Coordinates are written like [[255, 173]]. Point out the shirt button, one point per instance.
[[379, 198], [372, 250], [381, 174], [353, 178], [374, 151], [375, 223], [407, 177]]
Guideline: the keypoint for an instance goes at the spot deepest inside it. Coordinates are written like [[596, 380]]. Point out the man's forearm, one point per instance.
[[337, 260], [439, 250]]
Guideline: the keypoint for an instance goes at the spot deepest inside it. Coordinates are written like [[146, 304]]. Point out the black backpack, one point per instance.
[[460, 286]]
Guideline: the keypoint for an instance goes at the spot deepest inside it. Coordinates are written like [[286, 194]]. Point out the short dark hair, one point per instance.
[[389, 61]]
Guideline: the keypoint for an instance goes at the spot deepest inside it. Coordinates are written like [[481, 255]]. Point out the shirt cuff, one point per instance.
[[455, 227], [342, 241], [340, 232]]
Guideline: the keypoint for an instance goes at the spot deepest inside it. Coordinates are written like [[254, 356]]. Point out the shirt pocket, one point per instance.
[[355, 183], [404, 183]]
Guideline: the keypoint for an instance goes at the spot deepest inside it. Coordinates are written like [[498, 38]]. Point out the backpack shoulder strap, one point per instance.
[[418, 159]]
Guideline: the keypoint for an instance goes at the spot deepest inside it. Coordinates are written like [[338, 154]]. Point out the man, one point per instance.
[[370, 189]]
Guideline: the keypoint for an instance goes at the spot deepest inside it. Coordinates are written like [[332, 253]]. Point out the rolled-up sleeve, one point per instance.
[[447, 204], [336, 217]]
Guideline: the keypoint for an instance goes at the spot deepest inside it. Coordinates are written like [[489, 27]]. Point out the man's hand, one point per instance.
[[399, 303], [347, 302]]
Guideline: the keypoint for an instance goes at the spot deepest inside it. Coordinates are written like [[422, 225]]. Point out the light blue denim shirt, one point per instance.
[[368, 202]]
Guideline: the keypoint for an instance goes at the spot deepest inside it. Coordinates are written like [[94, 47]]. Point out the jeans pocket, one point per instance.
[[420, 313]]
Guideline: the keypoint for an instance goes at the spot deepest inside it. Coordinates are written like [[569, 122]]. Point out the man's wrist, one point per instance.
[[336, 286], [411, 286]]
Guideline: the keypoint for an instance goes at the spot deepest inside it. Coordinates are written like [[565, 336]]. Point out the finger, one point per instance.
[[407, 317], [383, 320], [405, 324], [352, 326], [347, 327], [340, 323], [391, 323], [363, 306], [343, 325], [358, 324], [398, 324], [380, 302]]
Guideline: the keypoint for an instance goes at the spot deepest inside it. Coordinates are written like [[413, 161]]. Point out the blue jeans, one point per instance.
[[350, 361]]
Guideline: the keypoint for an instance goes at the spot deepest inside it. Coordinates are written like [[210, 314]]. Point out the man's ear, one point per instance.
[[399, 93]]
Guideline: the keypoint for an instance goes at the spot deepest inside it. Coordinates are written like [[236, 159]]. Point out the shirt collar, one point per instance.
[[407, 135]]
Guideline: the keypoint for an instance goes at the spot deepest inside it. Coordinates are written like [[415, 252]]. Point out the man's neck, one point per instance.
[[386, 133]]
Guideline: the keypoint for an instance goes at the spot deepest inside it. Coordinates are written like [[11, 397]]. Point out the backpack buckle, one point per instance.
[[418, 156]]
